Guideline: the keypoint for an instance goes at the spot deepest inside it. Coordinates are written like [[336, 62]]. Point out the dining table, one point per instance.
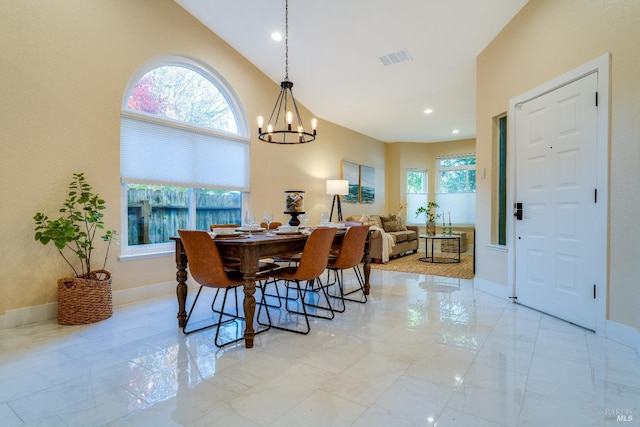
[[246, 251]]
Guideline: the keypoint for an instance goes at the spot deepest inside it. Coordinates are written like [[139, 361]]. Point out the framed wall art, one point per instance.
[[350, 172], [367, 184]]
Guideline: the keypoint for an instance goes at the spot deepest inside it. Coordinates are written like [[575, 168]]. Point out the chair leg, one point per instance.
[[221, 313], [360, 288], [277, 296], [340, 296], [320, 288], [288, 299]]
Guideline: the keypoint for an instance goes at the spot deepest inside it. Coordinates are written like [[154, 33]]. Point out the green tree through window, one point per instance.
[[182, 94]]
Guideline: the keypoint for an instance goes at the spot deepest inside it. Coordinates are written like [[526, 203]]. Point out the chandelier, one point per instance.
[[285, 125]]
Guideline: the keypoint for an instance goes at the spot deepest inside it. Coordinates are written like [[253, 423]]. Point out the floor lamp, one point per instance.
[[337, 188]]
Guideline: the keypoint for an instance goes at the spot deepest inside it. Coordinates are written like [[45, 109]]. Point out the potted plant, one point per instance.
[[430, 215], [85, 297]]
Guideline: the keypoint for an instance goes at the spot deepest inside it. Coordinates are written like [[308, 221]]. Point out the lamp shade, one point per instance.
[[337, 186]]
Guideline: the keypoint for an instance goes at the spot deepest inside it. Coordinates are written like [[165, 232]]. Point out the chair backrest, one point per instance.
[[272, 226], [315, 254], [352, 248], [204, 260], [212, 226]]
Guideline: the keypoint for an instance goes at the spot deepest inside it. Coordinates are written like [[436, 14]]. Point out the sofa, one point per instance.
[[392, 230]]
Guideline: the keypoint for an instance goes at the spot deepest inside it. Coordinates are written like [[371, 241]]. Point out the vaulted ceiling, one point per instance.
[[373, 66]]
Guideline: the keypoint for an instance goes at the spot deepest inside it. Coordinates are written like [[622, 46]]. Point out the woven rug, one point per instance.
[[411, 264]]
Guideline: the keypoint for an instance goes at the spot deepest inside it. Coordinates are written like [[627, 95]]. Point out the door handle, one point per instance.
[[517, 211]]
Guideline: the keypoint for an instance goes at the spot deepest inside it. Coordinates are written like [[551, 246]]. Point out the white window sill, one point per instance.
[[146, 255]]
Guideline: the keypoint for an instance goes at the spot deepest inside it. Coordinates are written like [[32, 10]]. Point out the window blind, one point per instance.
[[462, 207], [152, 152]]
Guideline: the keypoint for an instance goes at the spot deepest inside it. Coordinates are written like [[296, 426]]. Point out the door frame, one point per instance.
[[601, 66]]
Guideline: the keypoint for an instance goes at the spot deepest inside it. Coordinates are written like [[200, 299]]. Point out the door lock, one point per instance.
[[517, 211]]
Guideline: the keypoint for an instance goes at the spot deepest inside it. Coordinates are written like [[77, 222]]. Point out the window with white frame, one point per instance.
[[417, 193], [180, 125], [456, 188]]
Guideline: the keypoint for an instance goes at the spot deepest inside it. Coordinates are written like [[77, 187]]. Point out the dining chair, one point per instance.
[[207, 269], [272, 226], [313, 262], [349, 255]]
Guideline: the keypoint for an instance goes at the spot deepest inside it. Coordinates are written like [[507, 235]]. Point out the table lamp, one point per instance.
[[337, 188]]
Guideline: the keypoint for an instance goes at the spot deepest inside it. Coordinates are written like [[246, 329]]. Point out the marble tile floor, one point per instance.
[[423, 351]]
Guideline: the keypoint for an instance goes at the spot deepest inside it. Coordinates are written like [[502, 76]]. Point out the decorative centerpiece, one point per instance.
[[294, 205], [430, 215]]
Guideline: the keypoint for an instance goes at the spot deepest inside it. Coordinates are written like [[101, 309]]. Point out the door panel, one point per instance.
[[556, 142]]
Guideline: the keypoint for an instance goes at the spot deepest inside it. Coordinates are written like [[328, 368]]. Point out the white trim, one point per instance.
[[497, 248], [145, 255], [206, 71], [491, 288], [45, 312], [601, 66], [623, 334]]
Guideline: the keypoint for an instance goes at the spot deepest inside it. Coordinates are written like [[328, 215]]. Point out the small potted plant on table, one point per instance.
[[85, 297], [431, 216]]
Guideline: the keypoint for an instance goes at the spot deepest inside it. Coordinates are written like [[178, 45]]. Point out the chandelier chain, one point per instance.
[[285, 124], [286, 40]]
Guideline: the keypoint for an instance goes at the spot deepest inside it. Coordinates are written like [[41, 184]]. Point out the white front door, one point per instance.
[[556, 161]]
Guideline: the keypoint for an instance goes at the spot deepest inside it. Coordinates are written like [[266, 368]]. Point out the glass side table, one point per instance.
[[430, 257]]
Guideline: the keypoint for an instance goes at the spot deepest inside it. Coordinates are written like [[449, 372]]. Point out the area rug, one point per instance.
[[411, 264]]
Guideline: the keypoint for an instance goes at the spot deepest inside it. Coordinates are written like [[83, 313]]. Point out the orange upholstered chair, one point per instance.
[[313, 262], [207, 269]]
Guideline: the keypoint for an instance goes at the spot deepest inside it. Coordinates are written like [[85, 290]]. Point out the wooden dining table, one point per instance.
[[248, 251]]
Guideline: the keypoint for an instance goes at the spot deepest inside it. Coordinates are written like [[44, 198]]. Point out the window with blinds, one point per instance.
[[456, 188], [184, 153]]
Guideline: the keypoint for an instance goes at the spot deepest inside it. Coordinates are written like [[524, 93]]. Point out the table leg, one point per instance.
[[249, 305], [181, 287], [367, 266]]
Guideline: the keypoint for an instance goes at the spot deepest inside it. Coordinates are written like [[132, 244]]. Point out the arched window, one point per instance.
[[184, 153]]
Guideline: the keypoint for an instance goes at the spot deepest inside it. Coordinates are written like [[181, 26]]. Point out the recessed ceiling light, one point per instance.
[[428, 111], [455, 131], [277, 36]]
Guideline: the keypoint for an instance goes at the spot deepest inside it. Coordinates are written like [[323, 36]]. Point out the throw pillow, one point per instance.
[[389, 223], [374, 221], [364, 219], [401, 220]]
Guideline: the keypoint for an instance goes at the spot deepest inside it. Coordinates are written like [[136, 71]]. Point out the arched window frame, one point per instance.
[[241, 136]]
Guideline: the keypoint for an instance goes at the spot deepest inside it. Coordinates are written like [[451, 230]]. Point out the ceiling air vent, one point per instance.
[[395, 57]]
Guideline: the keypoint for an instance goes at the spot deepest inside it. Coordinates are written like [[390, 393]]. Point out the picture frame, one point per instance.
[[367, 184], [351, 172]]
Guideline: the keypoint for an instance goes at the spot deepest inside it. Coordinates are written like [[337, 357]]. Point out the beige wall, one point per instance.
[[546, 39], [64, 66]]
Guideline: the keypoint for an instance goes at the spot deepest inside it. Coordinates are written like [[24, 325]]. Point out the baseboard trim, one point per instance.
[[623, 334], [491, 288], [49, 311]]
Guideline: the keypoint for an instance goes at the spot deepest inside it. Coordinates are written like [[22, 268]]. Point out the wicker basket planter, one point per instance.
[[83, 300]]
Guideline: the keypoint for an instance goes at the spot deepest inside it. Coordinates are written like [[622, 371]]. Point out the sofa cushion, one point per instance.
[[389, 223], [400, 236], [411, 234]]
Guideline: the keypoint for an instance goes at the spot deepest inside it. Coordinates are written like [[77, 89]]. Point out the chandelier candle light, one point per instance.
[[286, 109]]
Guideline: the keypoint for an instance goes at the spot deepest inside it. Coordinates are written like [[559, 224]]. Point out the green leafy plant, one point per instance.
[[429, 211], [76, 229]]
